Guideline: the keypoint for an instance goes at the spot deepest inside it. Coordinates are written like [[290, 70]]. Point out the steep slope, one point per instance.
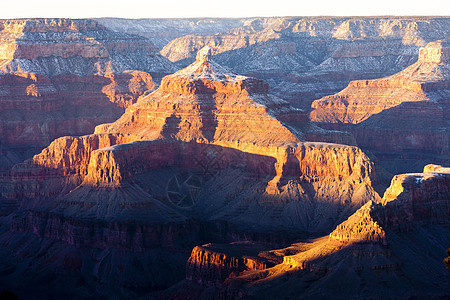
[[162, 31], [204, 109], [389, 250], [208, 156], [304, 58], [63, 77], [82, 47], [405, 112]]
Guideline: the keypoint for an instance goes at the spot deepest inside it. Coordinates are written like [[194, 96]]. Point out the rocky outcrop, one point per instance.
[[206, 103], [60, 166], [410, 30], [162, 31], [359, 227], [213, 263], [206, 145], [362, 99], [417, 198], [410, 201], [370, 252], [83, 47], [204, 109], [63, 77], [310, 57], [405, 112], [218, 108]]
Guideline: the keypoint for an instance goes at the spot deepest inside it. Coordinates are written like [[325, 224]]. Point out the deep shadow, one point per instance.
[[404, 138]]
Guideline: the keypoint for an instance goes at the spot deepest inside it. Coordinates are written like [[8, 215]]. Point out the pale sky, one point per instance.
[[225, 8]]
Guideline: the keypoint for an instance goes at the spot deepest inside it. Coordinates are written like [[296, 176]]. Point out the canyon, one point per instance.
[[305, 58], [369, 253], [137, 164], [206, 147], [404, 115], [63, 77]]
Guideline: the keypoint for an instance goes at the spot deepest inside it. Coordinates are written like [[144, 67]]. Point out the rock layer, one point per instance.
[[305, 58], [63, 77], [369, 252], [213, 263], [206, 145], [405, 112]]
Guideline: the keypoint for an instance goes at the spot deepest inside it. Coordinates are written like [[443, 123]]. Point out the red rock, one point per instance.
[[372, 247], [114, 189], [66, 87], [226, 120], [405, 112], [213, 263]]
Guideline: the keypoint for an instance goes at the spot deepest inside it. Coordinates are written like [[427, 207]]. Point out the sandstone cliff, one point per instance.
[[310, 57], [63, 77], [370, 253], [83, 47], [405, 112], [207, 145], [206, 120], [162, 31], [211, 264]]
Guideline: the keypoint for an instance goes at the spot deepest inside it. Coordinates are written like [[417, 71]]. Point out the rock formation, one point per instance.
[[212, 158], [63, 77], [162, 31], [399, 114], [307, 58], [82, 47], [206, 147], [213, 263], [369, 254]]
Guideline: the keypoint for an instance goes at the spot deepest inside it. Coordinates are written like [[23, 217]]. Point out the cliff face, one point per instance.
[[162, 31], [405, 112], [371, 251], [206, 145], [362, 99], [83, 47], [63, 77], [307, 58], [206, 103], [211, 264], [60, 166], [220, 121], [411, 201], [410, 30], [211, 155], [417, 198]]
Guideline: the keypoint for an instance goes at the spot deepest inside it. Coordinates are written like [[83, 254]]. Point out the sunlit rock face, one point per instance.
[[305, 58], [208, 154], [211, 264], [369, 253], [83, 47], [63, 77], [206, 106], [405, 112]]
